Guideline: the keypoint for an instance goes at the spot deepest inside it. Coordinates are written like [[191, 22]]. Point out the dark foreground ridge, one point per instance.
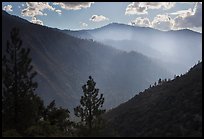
[[173, 108]]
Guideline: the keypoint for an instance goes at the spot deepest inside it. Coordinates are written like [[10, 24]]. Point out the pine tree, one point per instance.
[[21, 106], [89, 111]]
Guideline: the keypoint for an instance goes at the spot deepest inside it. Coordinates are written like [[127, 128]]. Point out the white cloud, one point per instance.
[[143, 22], [163, 22], [136, 8], [181, 12], [73, 5], [98, 18], [142, 7], [82, 24], [160, 22], [168, 5], [36, 21], [58, 11], [158, 5], [189, 19], [8, 8], [36, 8]]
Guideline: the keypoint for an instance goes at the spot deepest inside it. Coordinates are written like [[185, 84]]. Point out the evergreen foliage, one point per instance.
[[89, 111], [23, 111], [21, 106]]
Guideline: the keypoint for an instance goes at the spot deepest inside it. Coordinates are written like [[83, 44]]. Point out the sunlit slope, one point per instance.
[[64, 63]]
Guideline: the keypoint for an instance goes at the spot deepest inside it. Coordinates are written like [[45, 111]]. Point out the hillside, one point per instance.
[[175, 50], [64, 63], [172, 109]]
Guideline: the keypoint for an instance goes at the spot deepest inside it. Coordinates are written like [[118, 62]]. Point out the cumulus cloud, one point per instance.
[[8, 8], [73, 5], [143, 22], [163, 22], [160, 22], [36, 8], [136, 8], [142, 7], [98, 18], [36, 21], [189, 19], [82, 24], [158, 5]]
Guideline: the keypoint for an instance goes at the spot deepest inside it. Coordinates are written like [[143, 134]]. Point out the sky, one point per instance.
[[89, 15]]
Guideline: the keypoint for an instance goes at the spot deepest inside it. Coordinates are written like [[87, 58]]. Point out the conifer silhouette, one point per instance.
[[21, 106], [89, 111]]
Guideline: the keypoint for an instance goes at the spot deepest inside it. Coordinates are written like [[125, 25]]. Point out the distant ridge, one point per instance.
[[178, 50]]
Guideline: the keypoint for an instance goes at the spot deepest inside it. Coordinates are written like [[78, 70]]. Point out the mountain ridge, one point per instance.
[[126, 25], [64, 63], [180, 48], [173, 108]]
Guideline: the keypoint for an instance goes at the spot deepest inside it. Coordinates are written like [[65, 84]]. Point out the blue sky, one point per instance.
[[87, 15]]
